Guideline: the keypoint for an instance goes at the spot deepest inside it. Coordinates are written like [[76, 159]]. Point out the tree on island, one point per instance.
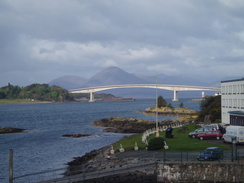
[[170, 105], [161, 102], [181, 104]]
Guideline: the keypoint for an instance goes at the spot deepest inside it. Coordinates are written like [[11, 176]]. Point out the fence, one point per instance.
[[126, 164], [163, 128], [79, 174]]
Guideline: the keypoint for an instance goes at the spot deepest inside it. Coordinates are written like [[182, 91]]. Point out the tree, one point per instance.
[[2, 95], [211, 105], [181, 104], [161, 102], [10, 91], [42, 92], [170, 105]]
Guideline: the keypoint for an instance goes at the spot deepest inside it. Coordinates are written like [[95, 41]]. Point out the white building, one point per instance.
[[232, 102]]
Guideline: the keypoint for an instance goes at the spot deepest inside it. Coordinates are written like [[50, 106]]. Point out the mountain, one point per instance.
[[117, 76], [114, 76], [68, 82], [173, 80]]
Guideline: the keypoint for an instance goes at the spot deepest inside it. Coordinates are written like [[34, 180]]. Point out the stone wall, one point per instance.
[[130, 177], [201, 172], [160, 172]]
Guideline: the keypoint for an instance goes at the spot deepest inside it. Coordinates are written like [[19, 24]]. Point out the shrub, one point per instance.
[[156, 144]]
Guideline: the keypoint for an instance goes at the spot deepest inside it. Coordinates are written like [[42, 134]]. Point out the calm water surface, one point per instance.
[[42, 147]]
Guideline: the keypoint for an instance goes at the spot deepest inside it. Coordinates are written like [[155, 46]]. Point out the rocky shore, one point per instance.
[[102, 160], [124, 125], [76, 135], [168, 111], [6, 130], [132, 125]]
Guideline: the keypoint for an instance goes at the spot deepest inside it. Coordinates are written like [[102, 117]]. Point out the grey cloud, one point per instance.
[[43, 39]]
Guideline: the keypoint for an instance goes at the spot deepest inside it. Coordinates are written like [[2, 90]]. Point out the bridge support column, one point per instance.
[[91, 97], [175, 96]]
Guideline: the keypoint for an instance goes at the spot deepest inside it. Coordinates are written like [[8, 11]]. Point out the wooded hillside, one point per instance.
[[40, 92]]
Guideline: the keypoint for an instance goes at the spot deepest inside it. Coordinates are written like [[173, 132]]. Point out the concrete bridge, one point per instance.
[[174, 88]]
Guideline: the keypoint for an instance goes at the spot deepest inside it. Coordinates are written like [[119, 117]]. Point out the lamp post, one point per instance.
[[157, 129]]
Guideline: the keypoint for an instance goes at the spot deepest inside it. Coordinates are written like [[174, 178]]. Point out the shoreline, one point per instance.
[[25, 101], [9, 130]]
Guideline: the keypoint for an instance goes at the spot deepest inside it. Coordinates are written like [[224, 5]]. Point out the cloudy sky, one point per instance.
[[41, 40]]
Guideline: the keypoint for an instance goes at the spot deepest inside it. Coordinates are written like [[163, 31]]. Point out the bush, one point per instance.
[[156, 144]]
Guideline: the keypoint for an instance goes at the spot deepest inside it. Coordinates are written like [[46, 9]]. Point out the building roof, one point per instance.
[[242, 79], [237, 112]]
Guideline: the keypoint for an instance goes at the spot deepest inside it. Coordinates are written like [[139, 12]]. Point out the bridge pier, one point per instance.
[[91, 97], [175, 96]]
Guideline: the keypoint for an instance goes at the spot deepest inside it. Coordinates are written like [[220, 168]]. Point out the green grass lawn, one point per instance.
[[180, 142]]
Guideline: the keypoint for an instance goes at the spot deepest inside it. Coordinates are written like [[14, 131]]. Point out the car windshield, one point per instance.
[[208, 151]]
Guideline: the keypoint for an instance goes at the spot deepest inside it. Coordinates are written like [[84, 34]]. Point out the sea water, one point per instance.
[[42, 146]]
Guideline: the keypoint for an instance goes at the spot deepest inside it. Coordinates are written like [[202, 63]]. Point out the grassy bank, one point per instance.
[[180, 142], [13, 101], [19, 101]]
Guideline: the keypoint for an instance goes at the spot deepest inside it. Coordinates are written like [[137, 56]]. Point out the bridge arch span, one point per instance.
[[174, 88]]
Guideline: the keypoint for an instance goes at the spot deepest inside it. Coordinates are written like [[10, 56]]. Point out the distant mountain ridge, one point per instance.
[[68, 82], [113, 76], [117, 76]]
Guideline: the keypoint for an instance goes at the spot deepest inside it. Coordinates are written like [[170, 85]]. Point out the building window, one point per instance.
[[234, 89], [242, 103], [230, 103], [242, 89]]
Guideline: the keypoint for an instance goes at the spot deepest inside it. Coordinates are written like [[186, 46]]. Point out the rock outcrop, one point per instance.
[[124, 125], [168, 111], [76, 135], [6, 130]]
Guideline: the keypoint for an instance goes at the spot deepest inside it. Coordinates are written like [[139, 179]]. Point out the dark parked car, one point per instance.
[[210, 135], [211, 153]]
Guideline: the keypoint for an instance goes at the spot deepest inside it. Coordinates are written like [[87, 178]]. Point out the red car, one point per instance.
[[210, 135]]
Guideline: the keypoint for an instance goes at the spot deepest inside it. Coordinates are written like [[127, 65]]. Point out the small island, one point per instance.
[[166, 109], [76, 135], [132, 125], [6, 130]]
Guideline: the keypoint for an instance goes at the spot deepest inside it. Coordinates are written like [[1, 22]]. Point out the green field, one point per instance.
[[180, 142]]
